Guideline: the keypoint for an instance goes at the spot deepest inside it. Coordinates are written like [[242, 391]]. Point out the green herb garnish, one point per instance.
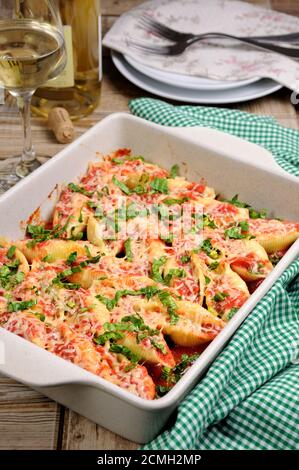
[[159, 185], [171, 201], [231, 313], [168, 239], [72, 258], [253, 214], [11, 252], [78, 189], [174, 273], [235, 232], [168, 302], [174, 171], [214, 265], [19, 306], [156, 266], [121, 185], [119, 349], [128, 249], [220, 296]]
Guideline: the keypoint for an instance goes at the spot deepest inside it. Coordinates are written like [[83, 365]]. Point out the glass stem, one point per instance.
[[24, 102]]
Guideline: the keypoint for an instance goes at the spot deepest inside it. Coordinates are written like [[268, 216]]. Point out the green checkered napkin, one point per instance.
[[249, 399]]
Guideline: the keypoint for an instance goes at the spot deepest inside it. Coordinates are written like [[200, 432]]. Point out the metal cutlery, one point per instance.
[[179, 47], [186, 40], [161, 30]]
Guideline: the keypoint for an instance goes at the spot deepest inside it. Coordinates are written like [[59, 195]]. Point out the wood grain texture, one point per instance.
[[81, 434], [27, 419]]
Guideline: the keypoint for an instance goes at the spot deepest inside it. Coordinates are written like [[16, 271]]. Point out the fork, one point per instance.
[[179, 47], [161, 30]]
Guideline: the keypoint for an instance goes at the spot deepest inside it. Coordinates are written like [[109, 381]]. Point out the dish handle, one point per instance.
[[35, 367]]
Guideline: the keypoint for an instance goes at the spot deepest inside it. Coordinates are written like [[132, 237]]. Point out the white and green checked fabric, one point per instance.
[[249, 399], [282, 142]]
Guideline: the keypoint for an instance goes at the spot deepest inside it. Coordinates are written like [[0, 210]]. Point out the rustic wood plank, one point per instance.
[[290, 7], [28, 420], [12, 392], [117, 7], [31, 426], [81, 434]]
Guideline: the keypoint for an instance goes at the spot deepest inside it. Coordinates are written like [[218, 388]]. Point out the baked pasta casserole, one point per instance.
[[137, 271]]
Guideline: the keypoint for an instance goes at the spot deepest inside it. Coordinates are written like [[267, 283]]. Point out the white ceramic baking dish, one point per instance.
[[230, 165]]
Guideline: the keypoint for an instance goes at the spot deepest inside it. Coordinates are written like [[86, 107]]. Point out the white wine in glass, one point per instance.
[[32, 51]]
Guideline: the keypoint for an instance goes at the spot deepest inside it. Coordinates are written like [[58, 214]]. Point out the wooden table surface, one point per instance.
[[29, 420]]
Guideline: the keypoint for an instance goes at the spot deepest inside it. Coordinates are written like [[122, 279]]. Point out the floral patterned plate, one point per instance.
[[254, 90], [187, 81]]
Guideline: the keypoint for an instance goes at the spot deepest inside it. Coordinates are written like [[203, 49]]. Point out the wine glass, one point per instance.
[[32, 51]]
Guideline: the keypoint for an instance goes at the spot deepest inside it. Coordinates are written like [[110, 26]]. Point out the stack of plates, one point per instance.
[[191, 89]]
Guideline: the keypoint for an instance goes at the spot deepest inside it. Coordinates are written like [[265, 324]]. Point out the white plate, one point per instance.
[[255, 90], [187, 81]]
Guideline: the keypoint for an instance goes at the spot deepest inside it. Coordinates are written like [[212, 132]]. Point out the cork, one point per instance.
[[60, 123]]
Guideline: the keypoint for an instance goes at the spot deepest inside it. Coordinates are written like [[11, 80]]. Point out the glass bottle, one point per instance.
[[78, 89]]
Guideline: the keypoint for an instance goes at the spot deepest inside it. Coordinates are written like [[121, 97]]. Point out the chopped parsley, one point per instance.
[[159, 346], [174, 273], [19, 306], [220, 296], [61, 279], [232, 312], [119, 349], [79, 189], [80, 218], [108, 336], [132, 323], [156, 266], [237, 231], [11, 252], [72, 258], [159, 185], [208, 222], [172, 376], [121, 185], [110, 304], [92, 204], [168, 302], [168, 239], [40, 316], [9, 274], [214, 265], [120, 161], [185, 259], [171, 201], [40, 234], [138, 185], [174, 171], [149, 292], [162, 389], [274, 258], [253, 214], [128, 249], [208, 249]]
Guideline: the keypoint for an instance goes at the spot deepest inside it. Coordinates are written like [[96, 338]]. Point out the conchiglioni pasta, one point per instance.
[[137, 271]]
